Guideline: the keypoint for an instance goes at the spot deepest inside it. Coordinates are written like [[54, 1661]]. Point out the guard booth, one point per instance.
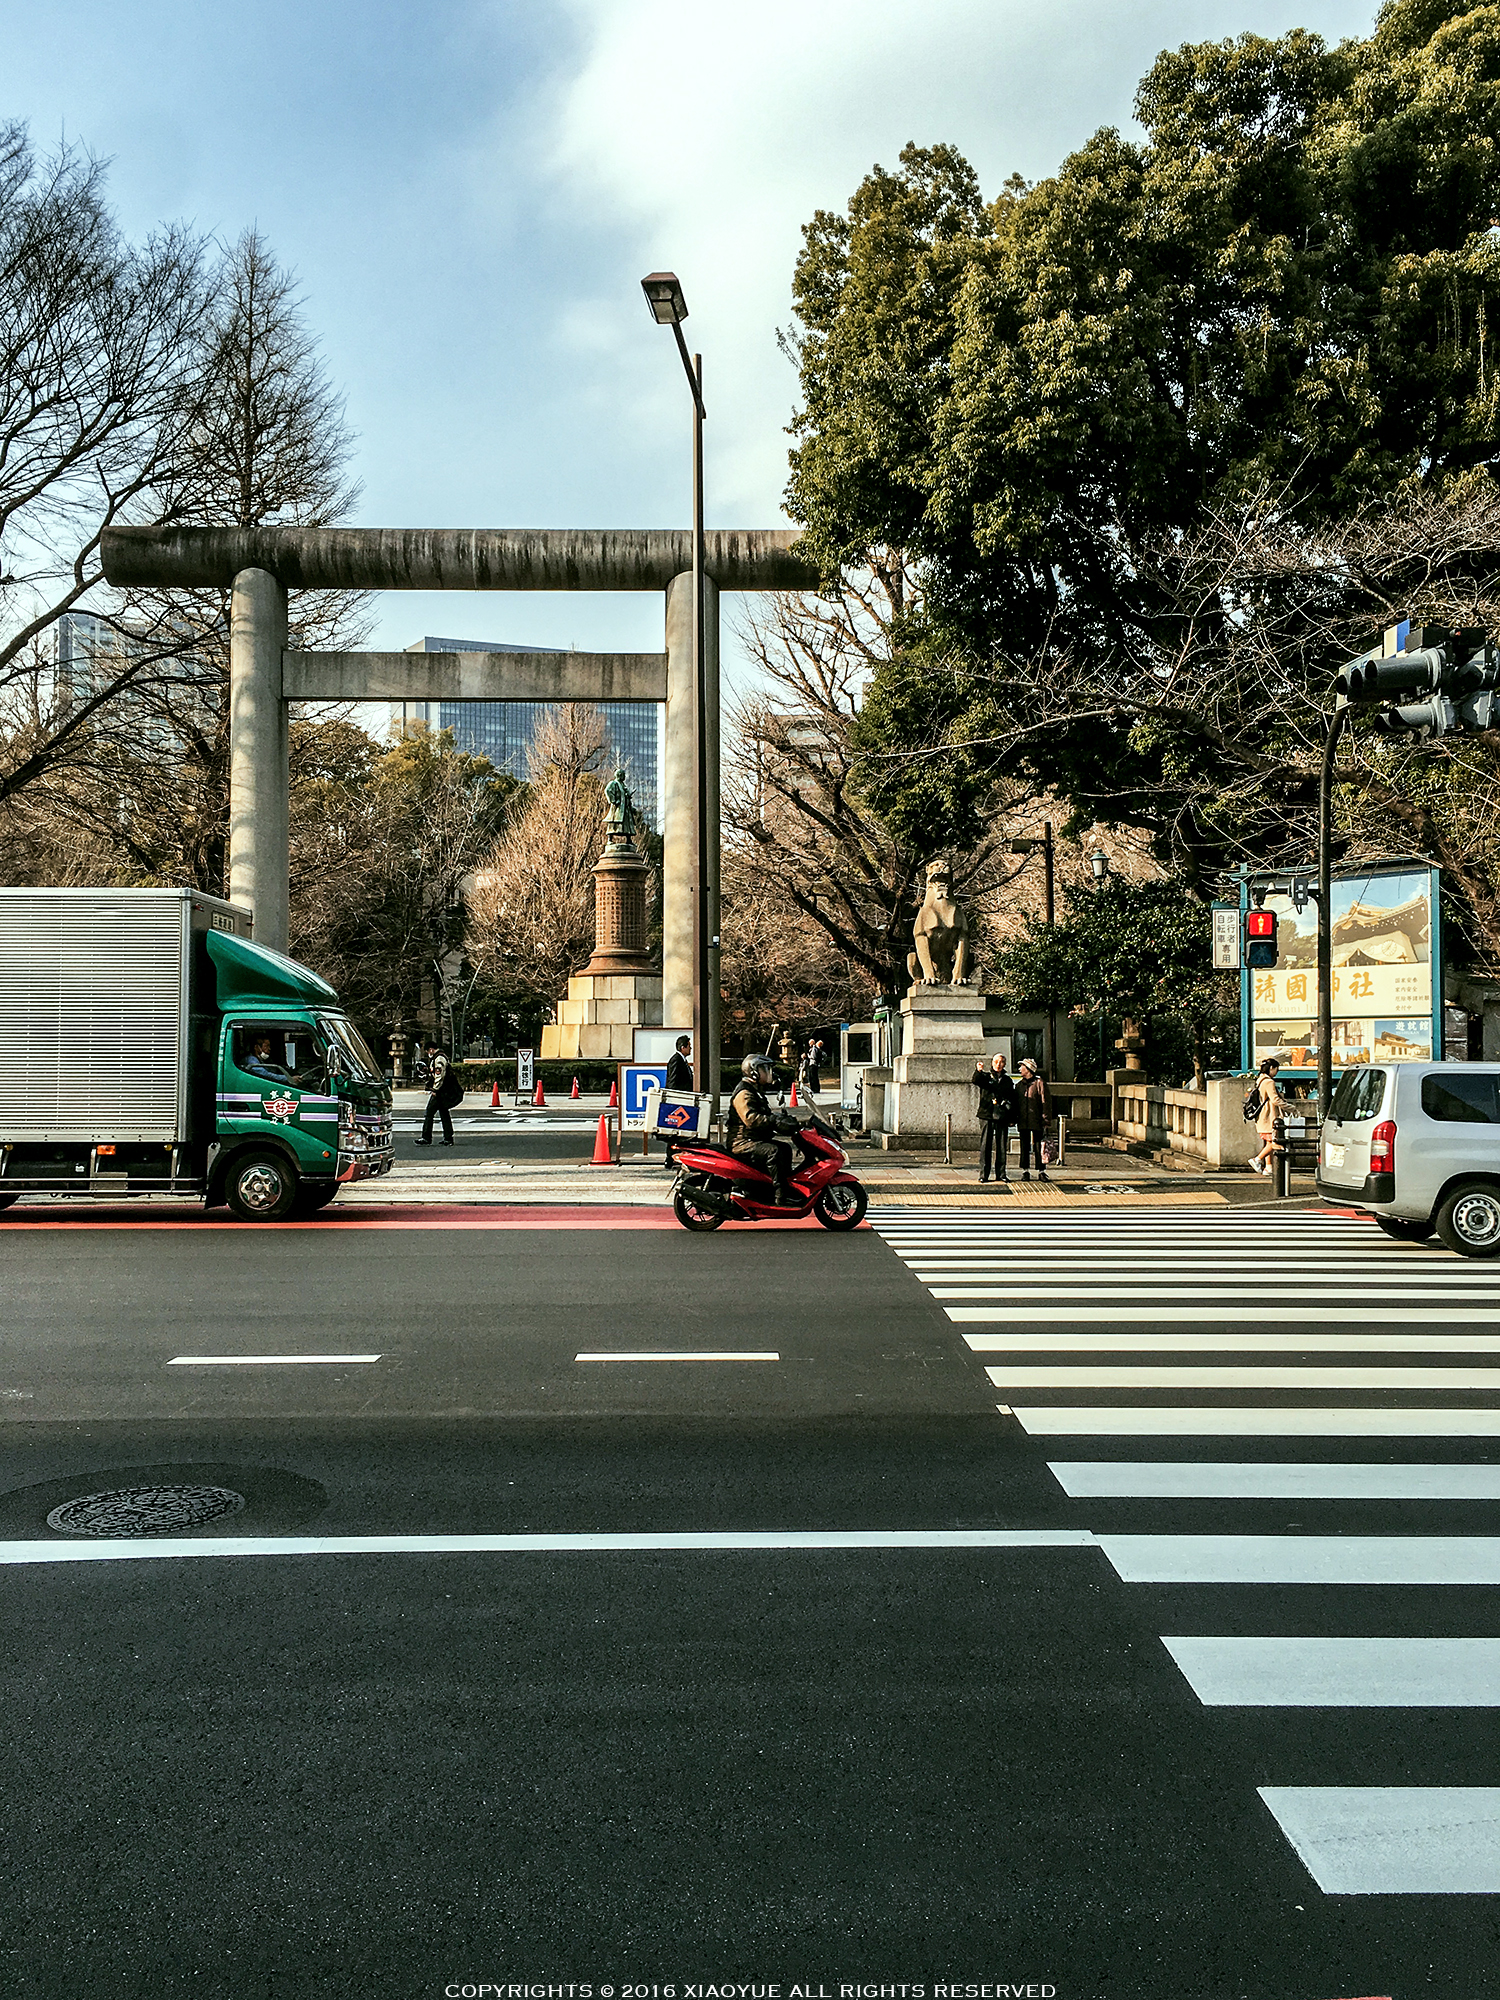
[[859, 1050]]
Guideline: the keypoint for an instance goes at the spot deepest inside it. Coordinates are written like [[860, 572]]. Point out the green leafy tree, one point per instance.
[[1140, 949], [1277, 300]]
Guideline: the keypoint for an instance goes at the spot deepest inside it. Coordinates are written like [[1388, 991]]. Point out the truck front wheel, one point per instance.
[[260, 1187]]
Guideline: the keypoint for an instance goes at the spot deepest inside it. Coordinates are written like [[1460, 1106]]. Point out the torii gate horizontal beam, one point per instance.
[[453, 558], [473, 676]]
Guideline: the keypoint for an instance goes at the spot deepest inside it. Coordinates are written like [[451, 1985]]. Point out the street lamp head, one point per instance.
[[664, 297], [1099, 864]]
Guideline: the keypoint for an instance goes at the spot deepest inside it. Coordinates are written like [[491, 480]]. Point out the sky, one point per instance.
[[471, 191]]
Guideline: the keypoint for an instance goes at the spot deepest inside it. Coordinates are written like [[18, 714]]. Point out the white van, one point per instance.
[[1418, 1145]]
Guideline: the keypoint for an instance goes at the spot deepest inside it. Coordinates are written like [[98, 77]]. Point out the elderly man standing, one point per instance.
[[1033, 1109], [997, 1113]]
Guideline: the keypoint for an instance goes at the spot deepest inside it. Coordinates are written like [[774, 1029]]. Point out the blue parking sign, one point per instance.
[[636, 1080]]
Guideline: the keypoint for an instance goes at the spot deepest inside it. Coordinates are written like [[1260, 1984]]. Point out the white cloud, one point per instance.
[[711, 135]]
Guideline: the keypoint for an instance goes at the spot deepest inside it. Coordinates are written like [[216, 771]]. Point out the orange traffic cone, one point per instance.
[[794, 1096], [602, 1155], [495, 1095], [614, 1094], [574, 1091], [541, 1095]]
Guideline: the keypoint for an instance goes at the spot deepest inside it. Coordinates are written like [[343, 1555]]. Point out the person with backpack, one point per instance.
[[444, 1091], [997, 1113], [1263, 1104]]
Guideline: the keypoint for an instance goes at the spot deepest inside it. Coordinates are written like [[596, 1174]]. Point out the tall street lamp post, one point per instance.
[[1049, 856], [668, 307], [1099, 869]]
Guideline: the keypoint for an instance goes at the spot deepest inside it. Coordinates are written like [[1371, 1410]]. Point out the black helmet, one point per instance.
[[754, 1064]]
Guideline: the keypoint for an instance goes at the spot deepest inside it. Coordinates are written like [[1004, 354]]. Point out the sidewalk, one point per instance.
[[1093, 1176]]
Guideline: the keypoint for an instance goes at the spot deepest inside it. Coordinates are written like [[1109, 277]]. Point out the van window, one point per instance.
[[1360, 1094], [1462, 1099]]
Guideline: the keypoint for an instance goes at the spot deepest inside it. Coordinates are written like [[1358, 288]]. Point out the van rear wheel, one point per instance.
[[1469, 1220], [261, 1187]]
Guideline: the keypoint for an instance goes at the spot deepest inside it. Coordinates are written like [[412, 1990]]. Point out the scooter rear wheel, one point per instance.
[[691, 1215], [842, 1206]]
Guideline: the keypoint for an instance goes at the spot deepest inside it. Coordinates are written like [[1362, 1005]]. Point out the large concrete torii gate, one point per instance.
[[259, 565]]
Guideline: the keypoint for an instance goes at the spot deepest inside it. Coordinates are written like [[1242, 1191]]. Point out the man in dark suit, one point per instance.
[[680, 1064]]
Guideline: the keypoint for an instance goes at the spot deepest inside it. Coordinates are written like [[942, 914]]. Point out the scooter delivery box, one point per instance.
[[679, 1115]]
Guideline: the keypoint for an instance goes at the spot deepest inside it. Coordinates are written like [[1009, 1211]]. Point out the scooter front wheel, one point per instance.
[[842, 1206], [691, 1214]]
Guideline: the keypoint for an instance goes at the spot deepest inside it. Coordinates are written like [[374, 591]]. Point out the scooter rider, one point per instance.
[[757, 1133]]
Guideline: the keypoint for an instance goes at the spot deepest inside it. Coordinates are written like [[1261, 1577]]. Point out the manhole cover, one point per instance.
[[144, 1510]]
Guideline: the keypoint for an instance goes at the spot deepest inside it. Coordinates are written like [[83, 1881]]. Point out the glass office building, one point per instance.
[[504, 731]]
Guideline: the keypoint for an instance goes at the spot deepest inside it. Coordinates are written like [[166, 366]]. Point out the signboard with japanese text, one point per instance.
[[1385, 943], [1226, 949], [525, 1071]]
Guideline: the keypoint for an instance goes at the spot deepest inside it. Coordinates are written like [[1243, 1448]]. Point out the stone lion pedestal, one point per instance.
[[942, 1039]]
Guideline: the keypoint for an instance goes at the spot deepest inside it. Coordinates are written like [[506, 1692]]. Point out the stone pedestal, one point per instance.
[[942, 1040], [619, 990], [600, 1015]]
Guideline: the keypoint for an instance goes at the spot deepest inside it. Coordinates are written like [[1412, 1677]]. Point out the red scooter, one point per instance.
[[715, 1186]]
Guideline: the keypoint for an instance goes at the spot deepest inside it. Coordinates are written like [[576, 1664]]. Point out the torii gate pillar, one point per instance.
[[679, 827], [259, 779]]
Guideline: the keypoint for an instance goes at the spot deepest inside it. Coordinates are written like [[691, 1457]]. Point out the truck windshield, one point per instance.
[[358, 1060]]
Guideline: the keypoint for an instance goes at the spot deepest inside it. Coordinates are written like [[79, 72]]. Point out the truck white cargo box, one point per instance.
[[95, 1011]]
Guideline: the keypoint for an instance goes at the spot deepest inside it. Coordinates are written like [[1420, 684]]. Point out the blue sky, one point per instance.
[[471, 190]]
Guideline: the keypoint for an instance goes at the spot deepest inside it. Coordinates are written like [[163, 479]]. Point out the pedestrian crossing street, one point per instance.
[[1178, 1332]]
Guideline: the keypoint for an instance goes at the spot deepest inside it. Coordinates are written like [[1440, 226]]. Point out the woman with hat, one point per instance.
[[1033, 1108]]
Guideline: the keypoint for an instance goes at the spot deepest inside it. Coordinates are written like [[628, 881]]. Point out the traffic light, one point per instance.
[[1457, 673], [1371, 678], [1260, 940]]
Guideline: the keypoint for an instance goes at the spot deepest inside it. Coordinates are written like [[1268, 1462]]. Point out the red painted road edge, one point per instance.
[[397, 1216]]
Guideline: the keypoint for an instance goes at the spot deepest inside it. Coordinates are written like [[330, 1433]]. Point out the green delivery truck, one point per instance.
[[148, 1046]]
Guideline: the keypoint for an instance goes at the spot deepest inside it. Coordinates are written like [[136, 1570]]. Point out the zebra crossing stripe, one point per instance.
[[1336, 1559], [1178, 1420], [1412, 1841], [1340, 1673], [1198, 1479]]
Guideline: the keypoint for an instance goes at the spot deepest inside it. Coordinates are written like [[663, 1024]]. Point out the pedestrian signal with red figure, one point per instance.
[[1260, 939]]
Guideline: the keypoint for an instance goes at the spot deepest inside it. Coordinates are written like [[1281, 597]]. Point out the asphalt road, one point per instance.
[[393, 1772]]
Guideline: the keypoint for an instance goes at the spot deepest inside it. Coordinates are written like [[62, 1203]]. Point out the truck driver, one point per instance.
[[259, 1063], [756, 1132]]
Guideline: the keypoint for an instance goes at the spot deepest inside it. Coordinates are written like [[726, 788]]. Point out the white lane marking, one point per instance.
[[1361, 1559], [1257, 1311], [1144, 1420], [681, 1356], [1245, 1378], [1234, 1343], [159, 1549], [1340, 1673], [1195, 1479], [1440, 1840], [265, 1360]]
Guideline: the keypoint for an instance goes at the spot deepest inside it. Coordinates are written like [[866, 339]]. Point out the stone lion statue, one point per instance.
[[940, 934]]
